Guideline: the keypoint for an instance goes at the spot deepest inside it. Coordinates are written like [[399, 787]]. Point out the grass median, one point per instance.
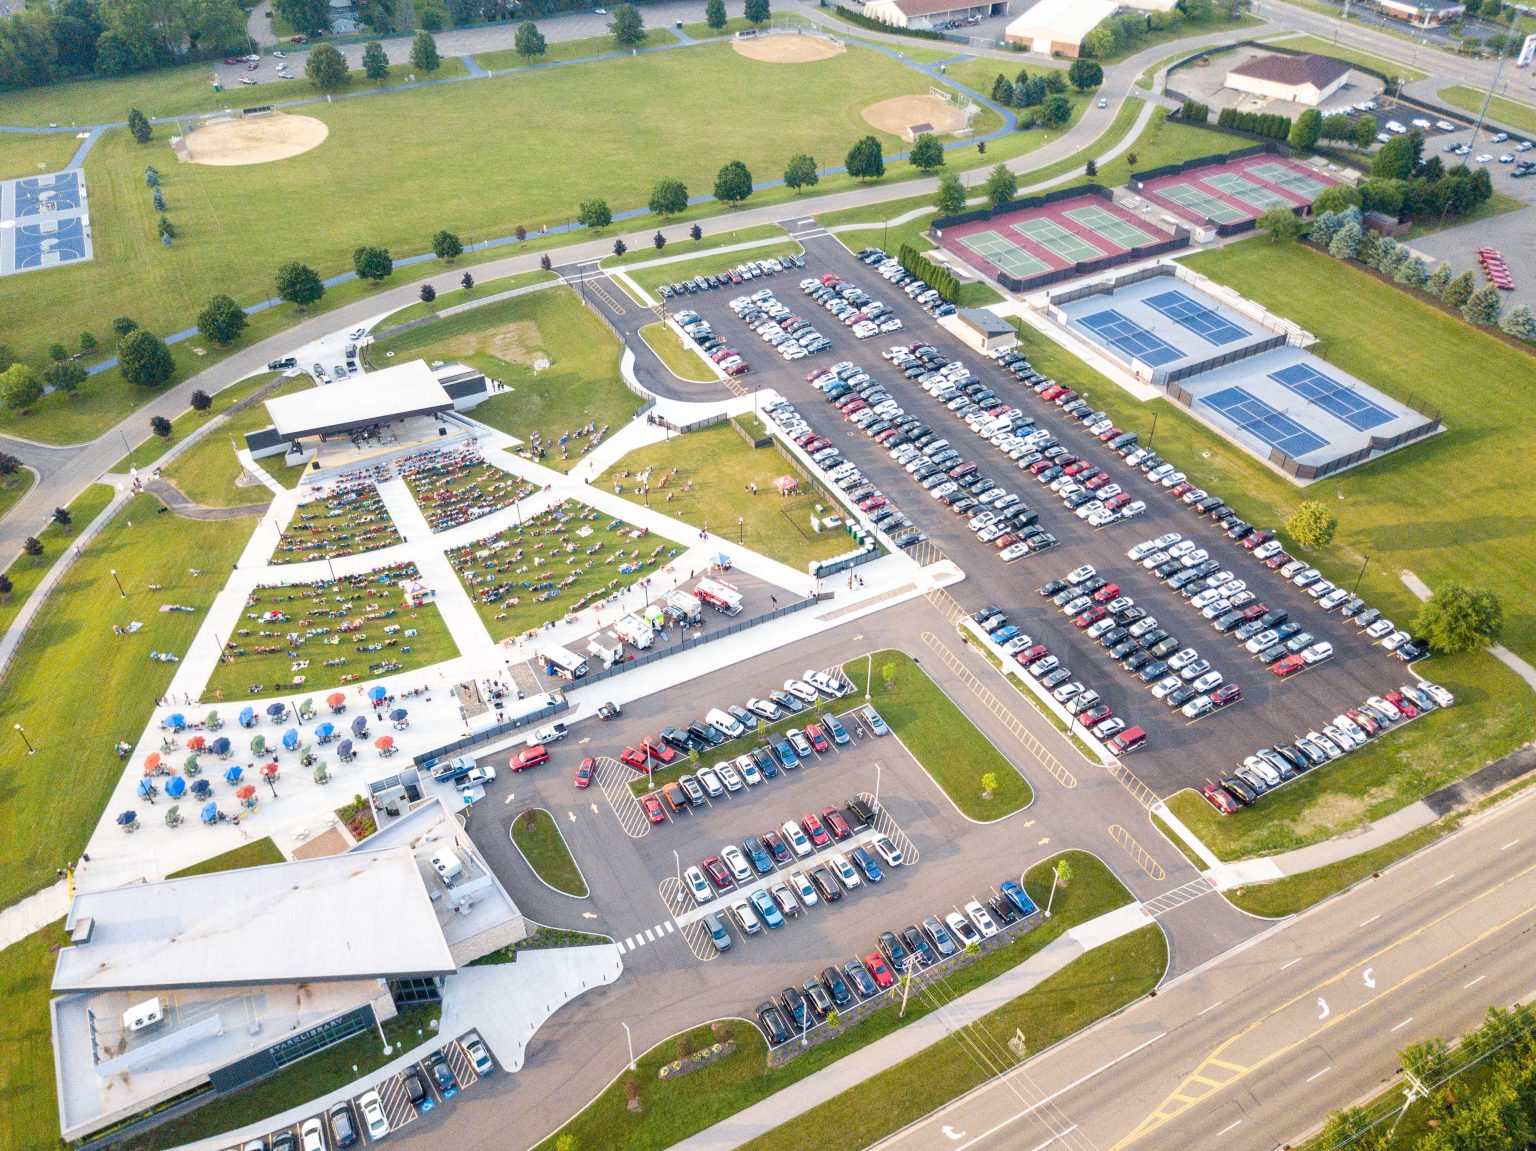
[[1511, 113], [14, 487], [1322, 47], [673, 1110], [209, 472], [257, 853], [673, 354], [536, 834], [943, 740], [26, 572], [712, 264]]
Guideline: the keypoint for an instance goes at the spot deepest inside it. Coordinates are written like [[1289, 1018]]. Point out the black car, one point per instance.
[[816, 995], [446, 1084], [795, 1007], [680, 740], [1239, 791], [1005, 912], [826, 885], [1274, 618], [1125, 648], [706, 734], [917, 944], [765, 762], [861, 979], [1136, 660], [1180, 695], [837, 987], [415, 1086], [285, 1141], [862, 810], [774, 1025], [1227, 622], [894, 951]]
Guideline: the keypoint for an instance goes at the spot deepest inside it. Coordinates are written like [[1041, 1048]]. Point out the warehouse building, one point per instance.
[[1057, 27], [1307, 80]]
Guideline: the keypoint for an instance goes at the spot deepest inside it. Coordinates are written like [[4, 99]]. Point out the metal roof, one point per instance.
[[393, 393]]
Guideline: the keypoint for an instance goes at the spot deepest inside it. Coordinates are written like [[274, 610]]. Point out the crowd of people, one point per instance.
[[581, 441], [455, 485], [349, 519]]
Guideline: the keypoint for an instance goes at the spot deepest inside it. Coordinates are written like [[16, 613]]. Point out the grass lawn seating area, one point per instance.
[[704, 478], [552, 565], [312, 636], [210, 473], [349, 520], [455, 485]]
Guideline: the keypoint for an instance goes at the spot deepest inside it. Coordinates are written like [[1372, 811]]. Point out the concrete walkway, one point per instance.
[[1499, 652], [852, 1070]]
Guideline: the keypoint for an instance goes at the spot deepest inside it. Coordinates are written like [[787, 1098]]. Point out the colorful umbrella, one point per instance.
[[234, 773], [247, 716], [336, 699], [176, 787], [213, 721], [189, 765], [377, 693], [151, 762], [201, 788], [269, 770], [259, 745], [384, 741], [245, 791], [220, 746], [197, 743], [127, 819], [211, 813], [291, 738], [321, 775], [176, 721], [398, 714], [359, 726], [146, 789], [173, 817], [325, 731], [277, 711], [344, 750]]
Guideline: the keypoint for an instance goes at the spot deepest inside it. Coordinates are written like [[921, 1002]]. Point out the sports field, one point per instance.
[[1232, 192], [470, 164]]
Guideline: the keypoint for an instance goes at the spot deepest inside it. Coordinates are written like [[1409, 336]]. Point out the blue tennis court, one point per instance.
[[1333, 397], [1258, 419], [1207, 323], [1131, 338]]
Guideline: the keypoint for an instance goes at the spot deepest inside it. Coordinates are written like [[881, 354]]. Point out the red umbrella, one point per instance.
[[245, 791], [268, 770], [384, 741], [197, 743], [336, 699], [151, 762]]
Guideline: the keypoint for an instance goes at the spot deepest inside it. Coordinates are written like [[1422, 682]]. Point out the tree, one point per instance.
[[1459, 619], [1345, 1128], [988, 784], [307, 16], [1519, 323], [160, 426], [1425, 1060], [58, 353], [756, 11], [62, 517], [424, 57], [144, 359], [1055, 83], [299, 284], [1085, 74], [1001, 186], [888, 674], [123, 325], [1336, 127], [1336, 199], [467, 281], [544, 261], [658, 241], [801, 172], [1098, 42], [139, 126], [530, 41], [447, 247], [326, 68], [372, 263], [950, 199], [431, 15], [733, 184], [6, 586], [866, 159], [201, 401], [1439, 280], [1411, 272], [696, 232], [375, 61], [87, 342], [1091, 168], [1281, 224], [714, 14], [1397, 157], [927, 152], [1002, 90], [428, 293], [1346, 242], [9, 464], [32, 546], [222, 320], [1312, 525], [620, 247], [1307, 129], [1061, 875], [627, 27], [1363, 134], [1056, 111], [668, 198], [1483, 307], [65, 377], [1459, 290], [20, 387], [594, 214]]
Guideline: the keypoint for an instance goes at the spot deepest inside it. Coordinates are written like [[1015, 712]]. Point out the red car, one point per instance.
[[717, 873], [1096, 481], [1030, 654], [530, 757], [658, 749], [1052, 392], [1255, 538], [1225, 694], [818, 741], [584, 772], [836, 823], [877, 968], [1219, 799], [814, 830], [1091, 616], [1106, 593], [635, 759], [1254, 610], [1287, 665], [652, 808], [1277, 561], [1179, 489], [1077, 468], [1403, 704], [1115, 503], [1110, 434]]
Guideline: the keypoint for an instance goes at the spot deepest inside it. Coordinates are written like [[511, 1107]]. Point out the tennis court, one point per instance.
[[1336, 399], [1205, 322], [1131, 338], [1202, 203], [1110, 226], [1248, 192], [1283, 176], [1057, 240], [1003, 254], [1258, 419]]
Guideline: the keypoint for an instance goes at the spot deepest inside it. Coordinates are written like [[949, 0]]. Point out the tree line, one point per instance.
[[1122, 34], [941, 280]]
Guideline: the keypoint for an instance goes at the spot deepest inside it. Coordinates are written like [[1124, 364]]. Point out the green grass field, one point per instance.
[[544, 849], [669, 349], [27, 155], [257, 853], [1296, 893], [582, 384], [26, 572], [208, 472], [674, 1109], [702, 31], [720, 465], [951, 748], [451, 297], [153, 447], [12, 488], [1353, 55], [1511, 113], [684, 245], [77, 688], [29, 1121], [558, 51]]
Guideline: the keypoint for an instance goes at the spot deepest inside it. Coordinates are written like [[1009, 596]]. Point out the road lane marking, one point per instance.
[[1474, 983], [1227, 1128], [1368, 922], [1292, 963], [1319, 1074], [649, 938], [1212, 1007], [1403, 1024], [1508, 845], [1446, 879], [669, 927]]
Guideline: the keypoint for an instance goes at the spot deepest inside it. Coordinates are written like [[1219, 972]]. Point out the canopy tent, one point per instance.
[[786, 484]]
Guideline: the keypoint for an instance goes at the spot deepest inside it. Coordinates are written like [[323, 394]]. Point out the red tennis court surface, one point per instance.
[[1236, 191], [1048, 240]]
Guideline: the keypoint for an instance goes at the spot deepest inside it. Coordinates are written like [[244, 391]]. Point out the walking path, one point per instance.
[[1499, 652], [173, 498]]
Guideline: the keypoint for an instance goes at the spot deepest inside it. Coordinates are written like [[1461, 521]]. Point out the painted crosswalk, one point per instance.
[[649, 935], [1179, 896]]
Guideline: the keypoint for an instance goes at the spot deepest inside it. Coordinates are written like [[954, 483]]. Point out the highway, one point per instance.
[[1255, 1050]]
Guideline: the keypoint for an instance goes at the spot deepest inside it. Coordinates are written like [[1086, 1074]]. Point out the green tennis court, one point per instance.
[[1109, 225], [1202, 202], [1051, 235], [1004, 255], [1247, 191], [1290, 179]]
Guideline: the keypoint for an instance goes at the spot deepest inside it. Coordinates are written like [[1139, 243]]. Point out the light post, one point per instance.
[[869, 673], [877, 787], [741, 530], [30, 749], [1153, 434], [119, 584], [630, 1039], [1361, 576]]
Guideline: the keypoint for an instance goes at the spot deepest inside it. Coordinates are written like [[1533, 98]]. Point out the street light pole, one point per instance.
[[869, 673], [119, 584], [30, 749], [741, 529], [1361, 576], [631, 1040], [877, 787]]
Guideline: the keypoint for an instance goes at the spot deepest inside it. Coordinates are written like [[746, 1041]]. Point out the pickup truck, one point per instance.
[[450, 769], [477, 777], [552, 733]]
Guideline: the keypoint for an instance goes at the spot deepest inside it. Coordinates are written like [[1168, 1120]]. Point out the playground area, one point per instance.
[[1235, 191], [258, 138]]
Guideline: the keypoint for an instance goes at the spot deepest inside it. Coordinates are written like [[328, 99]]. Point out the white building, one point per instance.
[[1057, 27], [1307, 80], [926, 14], [1423, 13]]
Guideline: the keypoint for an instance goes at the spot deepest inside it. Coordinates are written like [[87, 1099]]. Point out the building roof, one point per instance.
[[910, 8], [989, 323], [1062, 21], [391, 394], [1318, 71], [358, 915], [1424, 5]]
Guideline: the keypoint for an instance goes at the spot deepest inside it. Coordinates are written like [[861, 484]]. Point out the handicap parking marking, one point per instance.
[[461, 1066], [397, 1105]]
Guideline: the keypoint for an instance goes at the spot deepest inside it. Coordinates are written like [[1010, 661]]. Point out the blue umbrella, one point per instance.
[[210, 813], [175, 787], [247, 716], [377, 693], [398, 714], [146, 789], [127, 818], [234, 773], [220, 746], [325, 731], [359, 726], [176, 721], [277, 709], [201, 788], [344, 749], [291, 738]]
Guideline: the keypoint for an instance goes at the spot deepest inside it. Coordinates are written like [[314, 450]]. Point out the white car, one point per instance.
[[844, 870], [698, 886], [1261, 767], [801, 690], [728, 724], [1318, 652], [1382, 705], [728, 776], [1381, 629], [824, 682], [1329, 747], [712, 784], [1437, 693], [1208, 682], [1339, 736], [804, 888], [978, 915], [1134, 508], [888, 851], [1165, 685], [311, 1136], [748, 770], [746, 918], [798, 842], [741, 871], [962, 929], [374, 1119], [1350, 728], [1266, 549], [1485, 157], [1182, 659]]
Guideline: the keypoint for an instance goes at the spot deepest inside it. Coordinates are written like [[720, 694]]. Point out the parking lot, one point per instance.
[[1179, 752]]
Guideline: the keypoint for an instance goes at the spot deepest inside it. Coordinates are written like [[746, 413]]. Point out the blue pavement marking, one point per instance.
[[56, 192], [1207, 323], [43, 222], [1260, 420], [1333, 397], [1131, 338]]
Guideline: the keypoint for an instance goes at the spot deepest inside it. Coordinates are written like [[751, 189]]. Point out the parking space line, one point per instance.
[[613, 780], [1015, 727], [1168, 900], [1140, 854]]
